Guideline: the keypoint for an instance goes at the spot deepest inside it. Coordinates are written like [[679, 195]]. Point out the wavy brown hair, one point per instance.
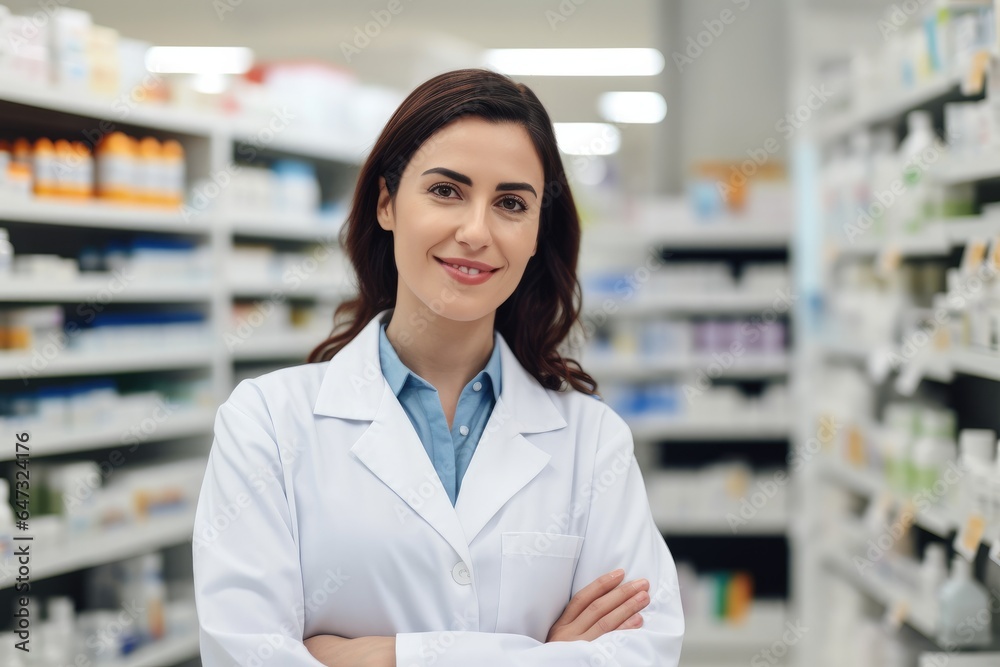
[[541, 312]]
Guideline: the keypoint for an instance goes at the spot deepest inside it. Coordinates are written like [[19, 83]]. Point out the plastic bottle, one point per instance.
[[5, 160], [6, 522], [913, 202], [173, 172], [65, 169], [965, 617], [6, 253], [975, 453], [59, 631], [149, 171], [933, 575], [901, 420], [154, 593], [44, 168], [115, 164], [85, 173], [933, 452], [994, 526]]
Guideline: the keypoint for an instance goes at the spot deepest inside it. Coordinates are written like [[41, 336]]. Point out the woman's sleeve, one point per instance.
[[621, 533], [248, 585]]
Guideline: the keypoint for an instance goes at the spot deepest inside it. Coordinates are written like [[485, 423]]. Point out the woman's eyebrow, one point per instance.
[[462, 178]]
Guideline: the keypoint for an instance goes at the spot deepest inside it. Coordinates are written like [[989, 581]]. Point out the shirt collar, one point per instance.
[[396, 372]]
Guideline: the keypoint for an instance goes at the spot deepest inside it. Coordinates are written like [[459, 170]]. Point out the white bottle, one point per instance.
[[964, 618], [933, 453], [919, 137], [6, 253], [975, 453], [993, 530], [933, 575], [6, 523]]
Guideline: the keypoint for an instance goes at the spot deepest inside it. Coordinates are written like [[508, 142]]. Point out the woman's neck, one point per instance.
[[445, 352]]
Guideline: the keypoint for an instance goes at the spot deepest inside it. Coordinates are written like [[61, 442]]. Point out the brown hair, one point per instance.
[[544, 307]]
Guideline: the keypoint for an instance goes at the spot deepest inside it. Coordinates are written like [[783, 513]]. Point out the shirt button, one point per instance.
[[463, 429], [460, 573], [477, 386]]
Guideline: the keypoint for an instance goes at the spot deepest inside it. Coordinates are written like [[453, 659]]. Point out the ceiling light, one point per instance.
[[199, 59], [632, 107], [587, 138], [576, 62]]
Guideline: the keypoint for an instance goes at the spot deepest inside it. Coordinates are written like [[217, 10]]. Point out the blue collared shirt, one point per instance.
[[449, 450]]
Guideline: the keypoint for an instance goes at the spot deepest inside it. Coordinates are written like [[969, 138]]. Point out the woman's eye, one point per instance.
[[510, 204], [443, 190]]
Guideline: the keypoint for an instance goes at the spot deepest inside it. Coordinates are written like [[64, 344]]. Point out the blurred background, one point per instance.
[[789, 271]]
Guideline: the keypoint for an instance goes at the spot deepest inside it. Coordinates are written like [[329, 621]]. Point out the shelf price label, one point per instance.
[[970, 536]]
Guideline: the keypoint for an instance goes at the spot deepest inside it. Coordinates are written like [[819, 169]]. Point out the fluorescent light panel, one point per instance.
[[632, 107], [199, 59], [587, 138], [576, 62]]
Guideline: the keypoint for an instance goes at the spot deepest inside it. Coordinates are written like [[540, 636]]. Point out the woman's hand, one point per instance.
[[336, 651], [594, 610]]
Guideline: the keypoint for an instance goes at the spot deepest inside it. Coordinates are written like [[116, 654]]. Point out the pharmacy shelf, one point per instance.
[[283, 227], [50, 560], [102, 215], [936, 239], [184, 423], [744, 428], [734, 233], [166, 652], [315, 144], [971, 362], [890, 595], [763, 626], [264, 289], [14, 365], [77, 103], [292, 345], [954, 170], [636, 368], [718, 526], [733, 301], [891, 107], [867, 484], [103, 289]]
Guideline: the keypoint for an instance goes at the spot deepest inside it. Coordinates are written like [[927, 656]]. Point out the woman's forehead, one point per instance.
[[471, 146]]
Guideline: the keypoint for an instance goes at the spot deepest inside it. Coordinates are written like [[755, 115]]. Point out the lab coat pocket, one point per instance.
[[536, 579]]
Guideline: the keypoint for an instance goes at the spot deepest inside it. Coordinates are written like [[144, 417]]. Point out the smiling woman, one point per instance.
[[442, 488]]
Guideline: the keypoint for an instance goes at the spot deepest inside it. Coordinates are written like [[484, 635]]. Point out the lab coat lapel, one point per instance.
[[354, 388], [504, 461]]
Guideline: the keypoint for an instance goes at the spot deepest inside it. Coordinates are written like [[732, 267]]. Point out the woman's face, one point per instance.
[[471, 193]]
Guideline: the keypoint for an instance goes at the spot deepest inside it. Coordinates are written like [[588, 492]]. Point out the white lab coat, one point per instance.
[[320, 513]]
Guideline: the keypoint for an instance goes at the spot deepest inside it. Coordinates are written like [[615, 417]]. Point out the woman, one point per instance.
[[439, 486]]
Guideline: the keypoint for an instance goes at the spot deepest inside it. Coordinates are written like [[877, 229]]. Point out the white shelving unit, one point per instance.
[[937, 241], [211, 145], [708, 644]]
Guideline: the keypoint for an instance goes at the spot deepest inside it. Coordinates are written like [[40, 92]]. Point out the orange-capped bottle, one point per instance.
[[85, 176], [115, 164], [65, 169], [173, 172], [43, 161], [148, 171]]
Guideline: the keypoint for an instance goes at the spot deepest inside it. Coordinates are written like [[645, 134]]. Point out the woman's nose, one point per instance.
[[475, 229]]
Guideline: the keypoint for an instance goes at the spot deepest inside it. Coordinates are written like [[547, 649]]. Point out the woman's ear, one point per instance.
[[384, 209]]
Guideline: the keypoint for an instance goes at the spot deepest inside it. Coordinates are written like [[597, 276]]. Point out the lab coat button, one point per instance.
[[460, 573]]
